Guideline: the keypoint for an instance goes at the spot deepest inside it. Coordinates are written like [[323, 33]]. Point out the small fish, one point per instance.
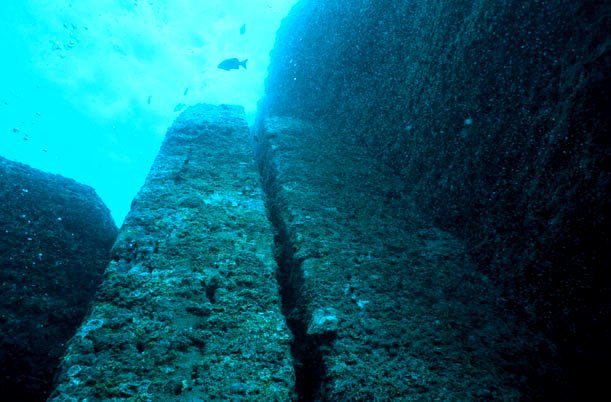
[[148, 101], [232, 64], [186, 92], [242, 29]]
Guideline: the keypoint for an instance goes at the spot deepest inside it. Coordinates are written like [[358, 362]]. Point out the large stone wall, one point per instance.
[[55, 238], [189, 309], [383, 305], [494, 115]]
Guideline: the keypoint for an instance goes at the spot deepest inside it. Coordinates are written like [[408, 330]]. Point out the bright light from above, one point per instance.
[[89, 87]]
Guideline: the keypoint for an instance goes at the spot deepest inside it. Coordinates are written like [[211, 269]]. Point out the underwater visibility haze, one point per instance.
[[338, 200], [88, 88]]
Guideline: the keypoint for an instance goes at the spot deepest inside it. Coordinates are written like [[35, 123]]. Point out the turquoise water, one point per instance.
[[88, 88]]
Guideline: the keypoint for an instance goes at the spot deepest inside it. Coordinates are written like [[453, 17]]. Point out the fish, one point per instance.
[[232, 64], [242, 29]]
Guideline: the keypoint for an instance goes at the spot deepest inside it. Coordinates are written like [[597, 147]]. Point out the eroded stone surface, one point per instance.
[[495, 116], [189, 309], [389, 307], [55, 238]]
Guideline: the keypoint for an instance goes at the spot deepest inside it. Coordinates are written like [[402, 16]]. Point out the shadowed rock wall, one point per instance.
[[189, 309], [55, 238], [495, 116], [383, 305]]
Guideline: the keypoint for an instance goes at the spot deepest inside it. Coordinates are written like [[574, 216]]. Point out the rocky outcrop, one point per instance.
[[189, 309], [494, 117], [55, 238], [382, 304]]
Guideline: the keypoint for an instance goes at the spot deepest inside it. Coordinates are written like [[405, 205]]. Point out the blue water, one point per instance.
[[88, 88]]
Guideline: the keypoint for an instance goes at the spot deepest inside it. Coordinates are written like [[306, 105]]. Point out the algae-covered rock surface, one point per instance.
[[384, 305], [55, 238], [189, 309], [494, 115]]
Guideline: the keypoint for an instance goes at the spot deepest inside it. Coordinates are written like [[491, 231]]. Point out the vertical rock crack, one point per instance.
[[306, 349]]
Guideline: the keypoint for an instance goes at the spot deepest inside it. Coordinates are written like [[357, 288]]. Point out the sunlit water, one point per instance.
[[88, 88]]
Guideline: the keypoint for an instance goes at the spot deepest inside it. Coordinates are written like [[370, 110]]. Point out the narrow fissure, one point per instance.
[[305, 350]]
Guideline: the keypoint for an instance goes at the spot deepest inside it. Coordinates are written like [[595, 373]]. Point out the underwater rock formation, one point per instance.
[[189, 309], [494, 117], [56, 235], [383, 305]]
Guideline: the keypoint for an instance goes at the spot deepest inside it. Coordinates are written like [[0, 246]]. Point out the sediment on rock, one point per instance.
[[383, 305], [495, 117], [306, 348], [189, 308], [55, 238]]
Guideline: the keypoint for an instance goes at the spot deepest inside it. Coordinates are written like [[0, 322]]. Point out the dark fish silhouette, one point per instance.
[[232, 64], [242, 29]]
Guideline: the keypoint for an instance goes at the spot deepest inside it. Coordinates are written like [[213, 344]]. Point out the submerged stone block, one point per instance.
[[383, 305], [496, 116], [55, 238], [189, 309]]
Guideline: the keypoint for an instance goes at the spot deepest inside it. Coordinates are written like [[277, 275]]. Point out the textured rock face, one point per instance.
[[55, 238], [383, 305], [493, 115], [190, 307]]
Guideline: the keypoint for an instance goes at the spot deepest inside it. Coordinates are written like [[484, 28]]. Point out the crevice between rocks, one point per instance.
[[305, 349]]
